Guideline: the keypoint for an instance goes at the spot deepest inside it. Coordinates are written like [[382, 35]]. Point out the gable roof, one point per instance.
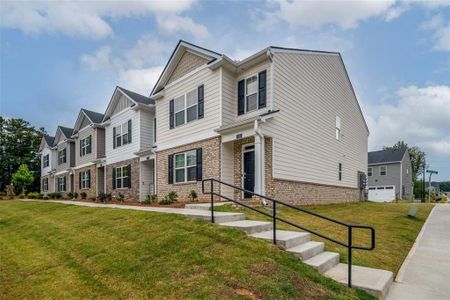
[[134, 97], [386, 156], [95, 117], [49, 140]]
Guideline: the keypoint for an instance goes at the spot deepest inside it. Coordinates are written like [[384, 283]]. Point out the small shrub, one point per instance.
[[83, 195], [170, 198], [150, 199], [40, 196], [34, 195], [70, 195], [101, 197], [75, 195], [193, 196], [22, 196], [121, 197], [54, 195]]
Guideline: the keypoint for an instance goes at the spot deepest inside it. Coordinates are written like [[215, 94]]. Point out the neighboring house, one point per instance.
[[283, 122], [65, 160], [89, 169], [48, 164], [129, 136], [389, 175]]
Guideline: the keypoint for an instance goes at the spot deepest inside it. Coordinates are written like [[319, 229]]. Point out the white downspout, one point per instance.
[[259, 161]]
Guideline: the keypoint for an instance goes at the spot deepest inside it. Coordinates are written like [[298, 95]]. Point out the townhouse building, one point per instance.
[[89, 169], [48, 161], [283, 123], [64, 147]]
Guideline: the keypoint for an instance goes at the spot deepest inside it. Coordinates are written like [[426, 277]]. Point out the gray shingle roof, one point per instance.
[[94, 116], [137, 97], [66, 131], [384, 156], [49, 139]]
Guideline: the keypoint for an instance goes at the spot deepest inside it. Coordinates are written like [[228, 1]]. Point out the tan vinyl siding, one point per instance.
[[188, 62], [81, 160], [100, 133], [310, 91], [229, 87], [196, 129], [65, 166]]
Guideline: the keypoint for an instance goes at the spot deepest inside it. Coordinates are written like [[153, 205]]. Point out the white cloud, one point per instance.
[[441, 32], [420, 117], [174, 24], [140, 80], [314, 14], [79, 18], [100, 60], [147, 49]]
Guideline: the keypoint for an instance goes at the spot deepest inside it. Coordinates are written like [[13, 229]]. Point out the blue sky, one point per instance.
[[57, 57]]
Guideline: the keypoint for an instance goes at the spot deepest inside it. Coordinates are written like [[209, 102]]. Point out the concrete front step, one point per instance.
[[323, 261], [285, 238], [307, 250], [374, 281], [249, 227], [205, 206]]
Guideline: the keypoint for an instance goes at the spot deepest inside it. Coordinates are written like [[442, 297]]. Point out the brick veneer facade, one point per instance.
[[92, 191], [131, 194], [294, 192], [210, 169]]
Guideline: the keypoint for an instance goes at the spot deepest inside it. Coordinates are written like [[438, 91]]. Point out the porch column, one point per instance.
[[259, 163]]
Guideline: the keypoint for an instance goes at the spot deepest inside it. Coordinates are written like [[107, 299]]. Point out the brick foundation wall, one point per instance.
[[210, 169], [131, 194], [92, 191]]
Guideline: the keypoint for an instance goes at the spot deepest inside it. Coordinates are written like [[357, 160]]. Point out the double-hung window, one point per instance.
[[122, 177], [251, 93], [85, 146], [61, 184], [46, 161], [338, 128], [45, 184], [121, 134], [185, 108], [369, 171], [186, 166], [383, 170], [85, 179], [62, 158]]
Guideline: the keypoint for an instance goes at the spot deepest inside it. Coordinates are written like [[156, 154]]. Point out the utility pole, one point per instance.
[[423, 180], [431, 172]]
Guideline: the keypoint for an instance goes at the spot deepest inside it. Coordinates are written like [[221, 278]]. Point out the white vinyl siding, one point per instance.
[[47, 151], [310, 91], [196, 130], [147, 133]]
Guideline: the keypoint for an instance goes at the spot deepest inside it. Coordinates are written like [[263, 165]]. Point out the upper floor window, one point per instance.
[[369, 171], [383, 170], [338, 128], [122, 134], [252, 93], [186, 108], [62, 157], [46, 161], [85, 146]]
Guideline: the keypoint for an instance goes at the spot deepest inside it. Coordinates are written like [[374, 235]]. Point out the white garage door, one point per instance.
[[382, 193]]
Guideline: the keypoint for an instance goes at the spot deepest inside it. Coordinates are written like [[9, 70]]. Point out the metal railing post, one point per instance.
[[212, 201], [350, 256], [274, 216]]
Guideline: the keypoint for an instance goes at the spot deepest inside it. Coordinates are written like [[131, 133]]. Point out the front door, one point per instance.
[[249, 172]]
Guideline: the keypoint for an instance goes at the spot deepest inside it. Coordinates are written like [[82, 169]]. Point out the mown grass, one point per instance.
[[395, 231], [55, 251]]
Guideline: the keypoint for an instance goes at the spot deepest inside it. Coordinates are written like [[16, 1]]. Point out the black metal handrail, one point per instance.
[[349, 245]]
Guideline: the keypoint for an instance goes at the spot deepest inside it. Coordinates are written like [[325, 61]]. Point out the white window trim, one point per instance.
[[45, 185], [84, 146], [60, 181], [46, 161], [185, 167], [85, 180], [385, 171], [257, 92], [371, 171], [122, 178], [121, 135], [185, 109], [60, 156]]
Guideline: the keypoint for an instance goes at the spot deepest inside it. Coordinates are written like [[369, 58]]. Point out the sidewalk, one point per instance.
[[425, 274]]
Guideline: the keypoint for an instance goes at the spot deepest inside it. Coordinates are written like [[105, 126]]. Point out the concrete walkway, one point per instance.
[[203, 214], [425, 274]]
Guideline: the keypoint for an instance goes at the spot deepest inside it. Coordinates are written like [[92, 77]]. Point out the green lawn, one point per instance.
[[395, 231], [56, 251]]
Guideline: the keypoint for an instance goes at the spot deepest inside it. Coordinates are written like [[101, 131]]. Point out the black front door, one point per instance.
[[249, 173]]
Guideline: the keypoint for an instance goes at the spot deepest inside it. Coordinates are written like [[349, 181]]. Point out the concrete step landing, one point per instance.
[[374, 281], [323, 261], [307, 250], [249, 227], [205, 205], [285, 238]]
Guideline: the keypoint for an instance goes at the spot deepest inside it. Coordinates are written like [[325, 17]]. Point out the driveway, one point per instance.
[[425, 274]]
